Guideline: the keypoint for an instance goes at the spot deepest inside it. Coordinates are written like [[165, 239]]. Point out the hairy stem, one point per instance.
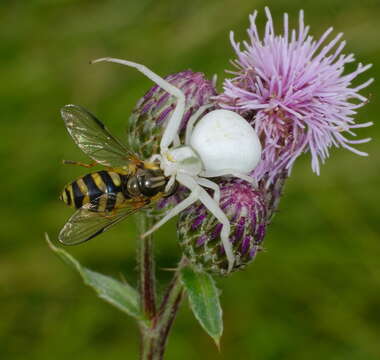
[[154, 338], [168, 310], [155, 331], [147, 270]]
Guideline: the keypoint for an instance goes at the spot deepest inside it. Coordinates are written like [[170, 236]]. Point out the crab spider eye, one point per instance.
[[225, 140]]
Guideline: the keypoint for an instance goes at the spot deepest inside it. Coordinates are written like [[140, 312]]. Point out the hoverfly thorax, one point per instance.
[[149, 183]]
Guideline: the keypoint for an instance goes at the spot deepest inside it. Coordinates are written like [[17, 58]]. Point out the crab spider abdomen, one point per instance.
[[225, 140]]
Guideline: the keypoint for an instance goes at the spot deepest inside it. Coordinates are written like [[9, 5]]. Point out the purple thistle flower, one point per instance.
[[199, 231], [292, 89]]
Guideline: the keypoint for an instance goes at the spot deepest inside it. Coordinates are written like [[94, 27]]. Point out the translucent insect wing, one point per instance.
[[94, 139], [85, 224]]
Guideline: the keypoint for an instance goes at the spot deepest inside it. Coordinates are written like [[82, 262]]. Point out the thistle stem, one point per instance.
[[147, 270], [155, 331], [168, 310]]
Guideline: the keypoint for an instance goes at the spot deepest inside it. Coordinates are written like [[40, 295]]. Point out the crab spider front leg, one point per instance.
[[198, 193], [171, 131], [192, 198], [215, 210], [211, 185]]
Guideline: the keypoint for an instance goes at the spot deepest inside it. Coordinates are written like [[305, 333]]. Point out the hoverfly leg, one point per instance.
[[71, 162]]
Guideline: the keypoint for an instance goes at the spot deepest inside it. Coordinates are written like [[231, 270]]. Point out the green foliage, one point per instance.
[[121, 295], [204, 301]]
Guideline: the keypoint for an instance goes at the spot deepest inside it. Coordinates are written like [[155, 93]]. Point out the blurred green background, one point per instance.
[[313, 294]]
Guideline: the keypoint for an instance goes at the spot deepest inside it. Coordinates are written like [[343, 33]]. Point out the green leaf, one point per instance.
[[120, 295], [204, 301]]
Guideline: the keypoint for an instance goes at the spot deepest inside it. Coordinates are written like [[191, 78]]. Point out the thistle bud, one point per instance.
[[199, 231], [148, 119]]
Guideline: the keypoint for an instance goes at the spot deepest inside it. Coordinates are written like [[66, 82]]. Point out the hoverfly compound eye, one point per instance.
[[225, 140], [133, 186], [151, 182]]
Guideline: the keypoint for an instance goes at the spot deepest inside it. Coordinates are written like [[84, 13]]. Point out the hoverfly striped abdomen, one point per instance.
[[104, 190]]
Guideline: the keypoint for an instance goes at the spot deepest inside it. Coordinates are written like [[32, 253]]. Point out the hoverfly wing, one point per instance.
[[94, 139], [85, 223]]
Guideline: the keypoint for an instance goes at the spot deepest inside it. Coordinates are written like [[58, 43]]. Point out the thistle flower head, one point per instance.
[[148, 119], [292, 89], [199, 231]]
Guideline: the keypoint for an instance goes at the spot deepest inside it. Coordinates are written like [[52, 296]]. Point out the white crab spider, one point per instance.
[[222, 143]]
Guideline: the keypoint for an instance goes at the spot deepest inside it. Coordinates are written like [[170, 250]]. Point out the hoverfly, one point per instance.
[[104, 198]]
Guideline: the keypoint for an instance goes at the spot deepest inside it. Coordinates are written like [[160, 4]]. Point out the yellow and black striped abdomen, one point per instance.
[[102, 189]]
